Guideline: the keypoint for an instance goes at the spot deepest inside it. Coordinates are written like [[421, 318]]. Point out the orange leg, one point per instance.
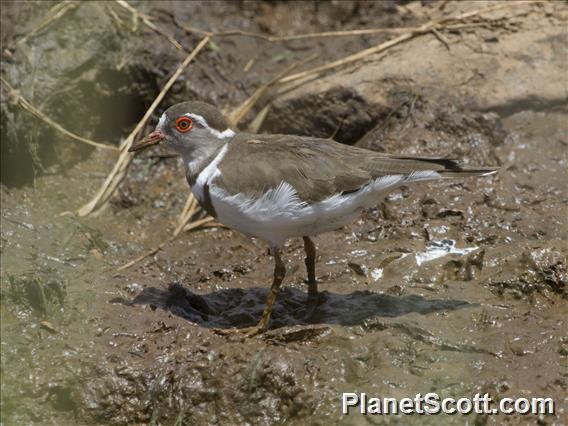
[[262, 326], [310, 261]]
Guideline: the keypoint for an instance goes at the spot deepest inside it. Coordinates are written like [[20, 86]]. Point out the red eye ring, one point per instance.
[[184, 124]]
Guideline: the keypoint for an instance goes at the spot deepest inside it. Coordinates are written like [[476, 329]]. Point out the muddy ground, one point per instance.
[[455, 287]]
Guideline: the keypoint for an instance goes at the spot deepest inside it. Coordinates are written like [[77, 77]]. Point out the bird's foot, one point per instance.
[[239, 332]]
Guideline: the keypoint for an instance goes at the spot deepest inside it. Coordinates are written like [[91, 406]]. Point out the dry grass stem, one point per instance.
[[188, 209], [276, 39], [118, 172], [249, 65], [198, 223], [28, 106], [191, 207], [257, 121], [142, 257]]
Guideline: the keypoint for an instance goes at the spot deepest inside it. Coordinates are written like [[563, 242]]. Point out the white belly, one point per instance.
[[280, 214]]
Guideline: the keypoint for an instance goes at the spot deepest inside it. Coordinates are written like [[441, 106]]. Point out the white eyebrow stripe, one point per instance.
[[227, 133], [198, 118], [162, 121]]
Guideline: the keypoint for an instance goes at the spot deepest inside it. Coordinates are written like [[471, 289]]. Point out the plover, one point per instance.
[[277, 187]]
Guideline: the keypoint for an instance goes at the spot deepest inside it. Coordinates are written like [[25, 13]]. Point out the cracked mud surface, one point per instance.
[[455, 287]]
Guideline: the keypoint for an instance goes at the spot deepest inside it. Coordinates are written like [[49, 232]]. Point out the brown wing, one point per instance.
[[312, 166], [316, 168]]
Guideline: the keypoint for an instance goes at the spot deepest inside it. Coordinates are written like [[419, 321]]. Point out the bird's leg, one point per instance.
[[310, 261], [262, 326], [279, 274]]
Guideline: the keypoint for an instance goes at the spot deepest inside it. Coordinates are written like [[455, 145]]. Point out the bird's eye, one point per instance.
[[184, 124]]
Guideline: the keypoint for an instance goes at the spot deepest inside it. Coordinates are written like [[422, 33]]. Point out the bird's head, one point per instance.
[[188, 128]]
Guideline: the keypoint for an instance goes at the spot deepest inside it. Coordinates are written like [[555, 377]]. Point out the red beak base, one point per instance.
[[152, 139]]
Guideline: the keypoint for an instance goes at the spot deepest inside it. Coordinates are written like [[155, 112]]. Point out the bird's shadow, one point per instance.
[[243, 307]]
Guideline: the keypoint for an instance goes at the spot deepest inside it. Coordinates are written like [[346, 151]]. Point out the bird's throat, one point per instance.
[[199, 158]]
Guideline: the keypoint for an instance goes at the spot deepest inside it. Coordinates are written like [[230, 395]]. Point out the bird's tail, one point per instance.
[[445, 167], [465, 172]]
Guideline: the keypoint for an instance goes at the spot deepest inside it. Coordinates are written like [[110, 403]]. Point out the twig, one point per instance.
[[198, 223], [146, 20], [344, 33], [275, 39], [142, 257], [120, 167], [426, 28], [249, 65], [187, 212], [257, 121], [32, 109]]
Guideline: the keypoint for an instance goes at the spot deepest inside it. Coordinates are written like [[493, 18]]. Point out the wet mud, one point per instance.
[[454, 287]]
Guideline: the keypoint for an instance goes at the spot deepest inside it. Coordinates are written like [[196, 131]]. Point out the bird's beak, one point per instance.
[[152, 139]]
